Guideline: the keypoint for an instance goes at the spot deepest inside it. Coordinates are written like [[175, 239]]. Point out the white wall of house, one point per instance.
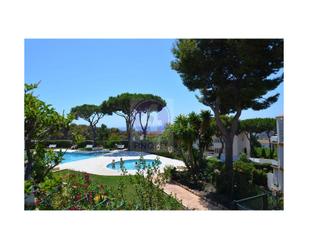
[[277, 177], [241, 144]]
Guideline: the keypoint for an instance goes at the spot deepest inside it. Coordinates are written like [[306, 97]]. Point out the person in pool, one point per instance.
[[113, 163]]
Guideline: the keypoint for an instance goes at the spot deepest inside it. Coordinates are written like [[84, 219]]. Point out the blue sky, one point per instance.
[[75, 72]]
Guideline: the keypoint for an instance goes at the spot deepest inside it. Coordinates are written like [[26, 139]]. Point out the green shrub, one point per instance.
[[263, 154], [246, 179], [169, 173], [111, 144], [78, 192], [271, 154], [259, 178], [266, 167], [213, 169], [172, 155]]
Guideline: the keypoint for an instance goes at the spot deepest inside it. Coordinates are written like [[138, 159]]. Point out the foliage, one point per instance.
[[173, 155], [111, 136], [92, 114], [83, 130], [231, 75], [103, 133], [83, 144], [41, 121], [227, 121], [124, 105], [78, 137], [193, 134], [269, 154], [60, 143], [248, 178], [253, 126], [263, 153], [148, 183], [81, 191], [150, 103], [129, 105], [169, 172]]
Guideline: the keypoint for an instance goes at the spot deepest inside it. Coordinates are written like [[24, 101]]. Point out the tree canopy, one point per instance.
[[128, 105], [230, 75], [253, 126], [150, 103], [92, 114], [41, 121], [190, 130]]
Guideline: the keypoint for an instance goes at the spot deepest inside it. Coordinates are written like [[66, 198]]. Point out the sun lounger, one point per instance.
[[89, 146], [52, 146], [119, 146]]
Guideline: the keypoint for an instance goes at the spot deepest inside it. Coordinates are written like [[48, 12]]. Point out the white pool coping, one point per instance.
[[98, 165]]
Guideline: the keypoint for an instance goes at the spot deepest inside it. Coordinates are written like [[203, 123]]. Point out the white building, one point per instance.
[[241, 144], [275, 179]]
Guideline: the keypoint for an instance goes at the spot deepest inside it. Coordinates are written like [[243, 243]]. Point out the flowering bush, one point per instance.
[[73, 192], [148, 185], [79, 192]]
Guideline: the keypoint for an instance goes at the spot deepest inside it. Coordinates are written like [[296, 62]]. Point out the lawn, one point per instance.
[[112, 183]]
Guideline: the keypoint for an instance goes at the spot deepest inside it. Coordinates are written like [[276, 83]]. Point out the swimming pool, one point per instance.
[[76, 156], [130, 164]]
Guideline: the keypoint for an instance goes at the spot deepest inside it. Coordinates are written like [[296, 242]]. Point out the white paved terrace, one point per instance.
[[97, 165]]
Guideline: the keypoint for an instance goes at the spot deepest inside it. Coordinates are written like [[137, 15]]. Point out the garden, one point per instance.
[[200, 63]]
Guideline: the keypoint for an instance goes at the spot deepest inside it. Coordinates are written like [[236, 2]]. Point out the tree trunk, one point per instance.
[[229, 150], [129, 130], [144, 128], [145, 134], [250, 138], [228, 135], [29, 164], [222, 148], [269, 143], [94, 136], [229, 161]]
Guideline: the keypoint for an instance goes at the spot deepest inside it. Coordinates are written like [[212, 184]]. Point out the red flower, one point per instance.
[[87, 178], [37, 202], [77, 197]]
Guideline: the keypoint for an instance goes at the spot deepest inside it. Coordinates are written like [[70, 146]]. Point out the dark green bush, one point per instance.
[[263, 154], [266, 167], [247, 179], [167, 154], [259, 178], [271, 154], [213, 169], [111, 144], [59, 143]]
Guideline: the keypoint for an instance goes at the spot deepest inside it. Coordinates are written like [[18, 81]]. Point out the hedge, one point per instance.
[[112, 143], [84, 143], [59, 143]]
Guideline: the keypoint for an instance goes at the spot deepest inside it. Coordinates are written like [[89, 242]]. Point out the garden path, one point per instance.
[[189, 200]]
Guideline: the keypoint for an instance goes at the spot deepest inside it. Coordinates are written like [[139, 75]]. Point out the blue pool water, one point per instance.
[[130, 164], [75, 156]]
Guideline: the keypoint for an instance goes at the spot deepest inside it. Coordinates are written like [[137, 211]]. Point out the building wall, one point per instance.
[[278, 169], [241, 144]]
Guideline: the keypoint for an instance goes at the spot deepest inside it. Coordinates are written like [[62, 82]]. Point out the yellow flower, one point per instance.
[[97, 198]]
